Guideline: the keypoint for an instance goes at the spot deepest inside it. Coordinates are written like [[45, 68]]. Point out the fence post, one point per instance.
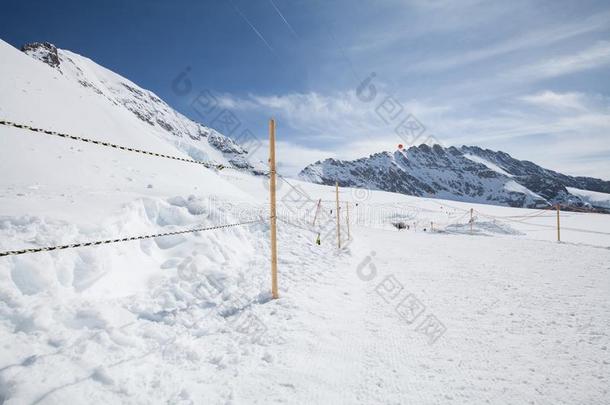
[[273, 217], [338, 217], [347, 219], [471, 220], [558, 227]]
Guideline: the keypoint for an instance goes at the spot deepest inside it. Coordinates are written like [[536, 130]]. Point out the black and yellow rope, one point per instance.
[[110, 145], [126, 239]]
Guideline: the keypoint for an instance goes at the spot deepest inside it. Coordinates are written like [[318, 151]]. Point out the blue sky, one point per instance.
[[531, 78]]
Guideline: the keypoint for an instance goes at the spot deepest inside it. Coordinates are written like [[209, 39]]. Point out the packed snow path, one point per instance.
[[520, 327]]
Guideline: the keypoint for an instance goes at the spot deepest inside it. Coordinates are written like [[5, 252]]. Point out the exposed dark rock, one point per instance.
[[43, 51]]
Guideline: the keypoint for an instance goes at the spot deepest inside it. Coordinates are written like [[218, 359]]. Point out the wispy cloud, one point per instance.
[[557, 101], [414, 19], [534, 39], [573, 130], [592, 57]]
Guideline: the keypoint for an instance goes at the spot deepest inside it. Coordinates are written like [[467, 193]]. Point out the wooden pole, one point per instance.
[[558, 228], [471, 220], [273, 217], [431, 226], [338, 218], [347, 219]]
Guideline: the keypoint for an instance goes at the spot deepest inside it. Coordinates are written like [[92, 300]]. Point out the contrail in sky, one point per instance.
[[252, 26], [283, 18]]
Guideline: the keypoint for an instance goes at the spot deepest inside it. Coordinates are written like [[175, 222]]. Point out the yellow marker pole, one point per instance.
[[558, 228], [347, 219], [338, 218], [273, 217]]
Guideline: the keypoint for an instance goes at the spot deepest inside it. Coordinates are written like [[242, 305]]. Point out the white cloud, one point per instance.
[[339, 117], [341, 121]]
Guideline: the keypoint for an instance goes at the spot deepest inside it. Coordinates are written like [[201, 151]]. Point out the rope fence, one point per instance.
[[400, 207], [126, 239], [109, 145], [271, 174], [418, 217]]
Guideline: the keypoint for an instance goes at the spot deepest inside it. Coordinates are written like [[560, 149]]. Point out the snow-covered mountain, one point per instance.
[[468, 173], [195, 139]]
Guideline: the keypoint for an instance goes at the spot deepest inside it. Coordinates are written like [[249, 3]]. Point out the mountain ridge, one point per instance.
[[193, 138], [466, 173]]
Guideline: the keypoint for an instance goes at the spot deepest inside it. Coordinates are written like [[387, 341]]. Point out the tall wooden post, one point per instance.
[[338, 217], [347, 219], [471, 220], [558, 228], [273, 217]]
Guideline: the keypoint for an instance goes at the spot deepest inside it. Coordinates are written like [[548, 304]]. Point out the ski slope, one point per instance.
[[188, 318]]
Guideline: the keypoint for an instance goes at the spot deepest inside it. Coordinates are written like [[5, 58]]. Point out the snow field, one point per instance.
[[161, 318]]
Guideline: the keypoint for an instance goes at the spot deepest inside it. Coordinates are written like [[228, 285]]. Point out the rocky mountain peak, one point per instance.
[[43, 51]]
